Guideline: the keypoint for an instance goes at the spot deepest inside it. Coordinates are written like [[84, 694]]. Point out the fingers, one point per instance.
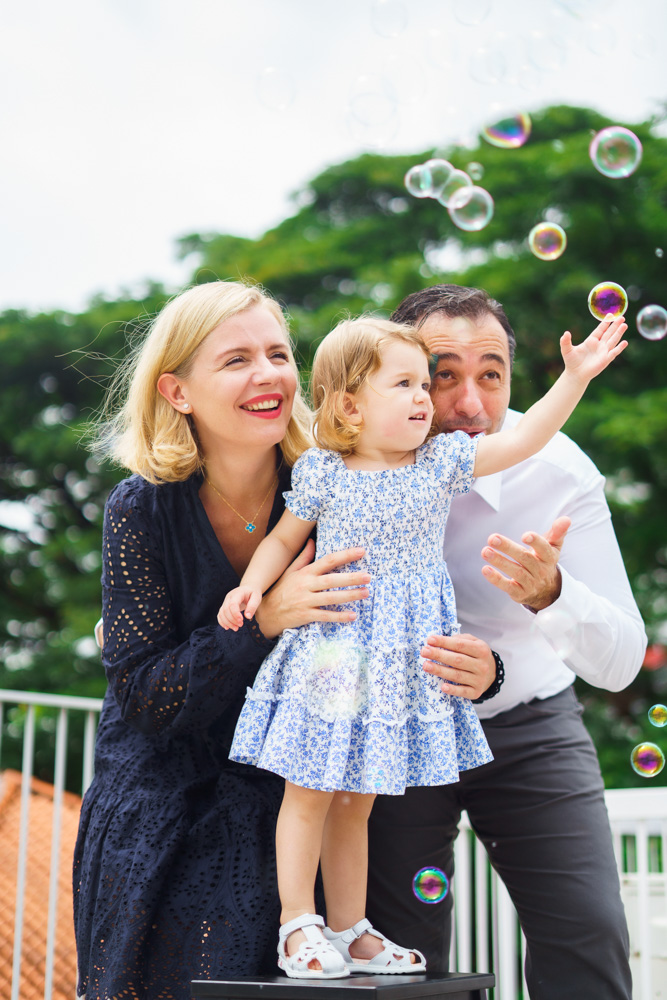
[[252, 604], [325, 597], [331, 580], [229, 619], [464, 663], [558, 530], [335, 559]]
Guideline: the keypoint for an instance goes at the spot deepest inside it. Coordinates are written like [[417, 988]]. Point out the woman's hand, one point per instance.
[[598, 350], [304, 591], [464, 662]]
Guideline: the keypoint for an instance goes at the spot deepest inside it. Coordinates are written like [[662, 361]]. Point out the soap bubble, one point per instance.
[[476, 213], [509, 133], [647, 759], [488, 65], [547, 240], [659, 252], [615, 151], [275, 89], [657, 715], [607, 299], [336, 685], [472, 11], [560, 630], [430, 885], [418, 181], [457, 190], [389, 18], [476, 171], [601, 38], [372, 99], [652, 322], [440, 171]]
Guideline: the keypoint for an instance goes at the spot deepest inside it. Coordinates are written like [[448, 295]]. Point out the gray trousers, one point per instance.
[[539, 810]]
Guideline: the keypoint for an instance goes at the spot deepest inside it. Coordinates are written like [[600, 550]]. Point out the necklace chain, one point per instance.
[[250, 526]]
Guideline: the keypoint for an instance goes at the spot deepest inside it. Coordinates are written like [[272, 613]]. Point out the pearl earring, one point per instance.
[[186, 406]]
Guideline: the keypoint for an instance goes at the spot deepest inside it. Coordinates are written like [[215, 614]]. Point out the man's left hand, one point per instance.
[[528, 573], [464, 662]]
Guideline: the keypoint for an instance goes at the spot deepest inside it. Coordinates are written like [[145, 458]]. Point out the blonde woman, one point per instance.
[[174, 869], [344, 711]]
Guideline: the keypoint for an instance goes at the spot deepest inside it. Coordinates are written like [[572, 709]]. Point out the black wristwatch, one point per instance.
[[494, 688]]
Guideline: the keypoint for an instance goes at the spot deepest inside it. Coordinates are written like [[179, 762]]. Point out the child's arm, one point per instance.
[[271, 558], [539, 424]]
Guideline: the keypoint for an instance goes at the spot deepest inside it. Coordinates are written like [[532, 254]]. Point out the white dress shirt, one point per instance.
[[594, 629]]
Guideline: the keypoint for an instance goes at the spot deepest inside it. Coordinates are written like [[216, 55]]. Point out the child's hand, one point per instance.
[[591, 357], [240, 599]]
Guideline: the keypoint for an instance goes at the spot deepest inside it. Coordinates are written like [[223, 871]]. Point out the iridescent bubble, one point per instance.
[[430, 885], [652, 322], [457, 190], [647, 759], [389, 18], [657, 715], [607, 299], [659, 252], [547, 240], [440, 171], [336, 685], [476, 170], [472, 11], [509, 133], [476, 213], [615, 151], [418, 181], [558, 628], [275, 89]]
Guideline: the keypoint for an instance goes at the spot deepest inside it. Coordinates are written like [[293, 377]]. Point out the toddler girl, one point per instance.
[[344, 711]]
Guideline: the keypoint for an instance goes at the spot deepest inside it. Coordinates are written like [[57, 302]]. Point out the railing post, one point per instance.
[[59, 784], [26, 775]]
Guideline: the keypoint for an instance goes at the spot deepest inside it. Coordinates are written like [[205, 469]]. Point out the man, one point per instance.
[[538, 807]]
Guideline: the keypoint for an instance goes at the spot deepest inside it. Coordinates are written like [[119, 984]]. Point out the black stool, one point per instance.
[[448, 986]]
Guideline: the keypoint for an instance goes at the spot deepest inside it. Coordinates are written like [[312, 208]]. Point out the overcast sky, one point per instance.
[[126, 123]]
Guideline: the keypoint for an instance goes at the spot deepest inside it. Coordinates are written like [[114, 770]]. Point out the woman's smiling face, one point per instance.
[[242, 384]]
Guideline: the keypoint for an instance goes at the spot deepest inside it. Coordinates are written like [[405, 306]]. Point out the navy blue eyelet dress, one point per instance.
[[174, 867]]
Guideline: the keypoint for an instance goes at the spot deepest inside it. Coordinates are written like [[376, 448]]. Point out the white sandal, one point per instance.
[[314, 947], [391, 961]]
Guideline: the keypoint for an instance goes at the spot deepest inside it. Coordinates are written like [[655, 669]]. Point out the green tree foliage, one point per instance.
[[358, 241]]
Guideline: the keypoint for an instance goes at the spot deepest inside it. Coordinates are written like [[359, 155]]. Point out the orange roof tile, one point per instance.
[[33, 951]]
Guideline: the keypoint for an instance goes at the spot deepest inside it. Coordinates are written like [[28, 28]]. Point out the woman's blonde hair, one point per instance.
[[342, 363], [139, 429]]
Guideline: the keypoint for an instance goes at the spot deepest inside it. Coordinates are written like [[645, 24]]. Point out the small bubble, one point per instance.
[[657, 715], [615, 152], [275, 89], [647, 759], [418, 181], [659, 252], [560, 626], [476, 213], [476, 170], [509, 133], [430, 885], [652, 322], [472, 12], [547, 240], [440, 171], [488, 65], [607, 299], [457, 190], [389, 18]]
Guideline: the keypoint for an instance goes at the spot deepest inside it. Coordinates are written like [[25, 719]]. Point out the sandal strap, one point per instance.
[[300, 923]]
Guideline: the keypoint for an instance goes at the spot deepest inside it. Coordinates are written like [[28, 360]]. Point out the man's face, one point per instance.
[[471, 385]]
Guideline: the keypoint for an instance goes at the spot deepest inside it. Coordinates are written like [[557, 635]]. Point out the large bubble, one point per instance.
[[476, 213], [440, 171], [389, 18], [547, 240], [510, 132], [275, 89], [607, 299], [430, 885], [418, 181], [616, 151], [457, 190], [647, 759], [652, 322]]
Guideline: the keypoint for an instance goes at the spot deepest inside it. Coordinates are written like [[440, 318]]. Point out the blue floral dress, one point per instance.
[[348, 706]]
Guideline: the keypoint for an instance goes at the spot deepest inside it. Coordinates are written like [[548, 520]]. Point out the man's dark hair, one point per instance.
[[453, 300]]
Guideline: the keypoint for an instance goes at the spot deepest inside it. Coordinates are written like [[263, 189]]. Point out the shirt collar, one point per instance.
[[489, 487]]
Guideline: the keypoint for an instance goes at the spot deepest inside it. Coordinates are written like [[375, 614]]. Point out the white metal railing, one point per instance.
[[486, 936], [638, 818], [27, 703]]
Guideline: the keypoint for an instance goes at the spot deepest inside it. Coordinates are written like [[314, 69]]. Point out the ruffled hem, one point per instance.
[[370, 756]]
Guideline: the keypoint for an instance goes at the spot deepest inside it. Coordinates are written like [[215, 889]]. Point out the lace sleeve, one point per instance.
[[161, 678]]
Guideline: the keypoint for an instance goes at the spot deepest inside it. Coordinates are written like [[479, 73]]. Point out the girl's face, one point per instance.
[[394, 404], [242, 384]]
